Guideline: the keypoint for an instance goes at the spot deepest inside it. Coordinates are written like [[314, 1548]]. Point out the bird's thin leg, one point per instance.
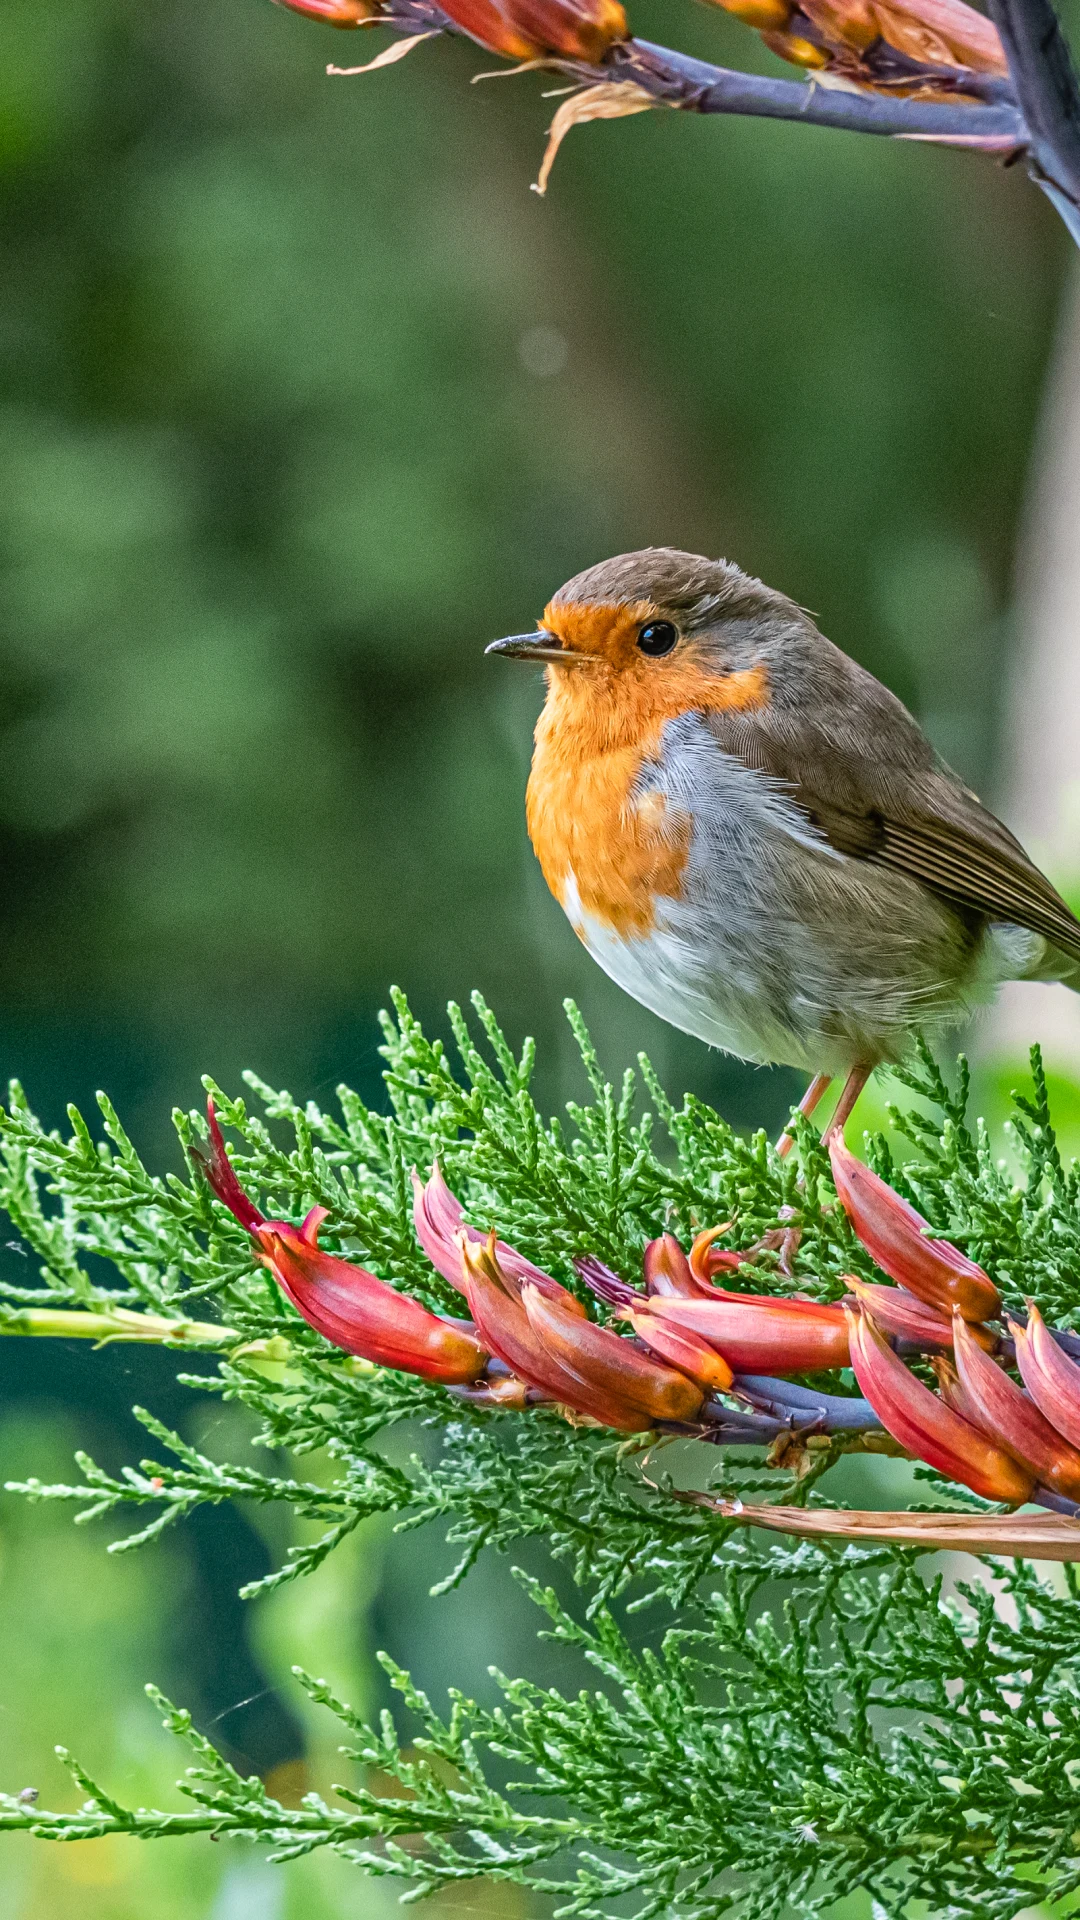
[[815, 1093], [849, 1093]]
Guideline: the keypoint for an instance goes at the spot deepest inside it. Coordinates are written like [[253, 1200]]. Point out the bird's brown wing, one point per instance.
[[877, 791]]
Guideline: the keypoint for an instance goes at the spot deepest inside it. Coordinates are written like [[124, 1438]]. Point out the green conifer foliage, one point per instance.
[[792, 1722]]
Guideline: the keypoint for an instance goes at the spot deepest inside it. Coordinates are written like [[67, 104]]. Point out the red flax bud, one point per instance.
[[707, 1259], [536, 29], [602, 1359], [759, 1334], [1001, 1408], [1051, 1378], [336, 13], [926, 1426], [359, 1313], [667, 1270], [687, 1351], [901, 1314], [350, 1307], [437, 1217], [546, 1354], [896, 1237], [765, 15]]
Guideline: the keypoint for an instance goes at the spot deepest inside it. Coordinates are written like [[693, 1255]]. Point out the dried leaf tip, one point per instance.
[[611, 100]]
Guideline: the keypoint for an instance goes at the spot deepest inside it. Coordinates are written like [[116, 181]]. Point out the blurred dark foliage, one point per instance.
[[304, 397]]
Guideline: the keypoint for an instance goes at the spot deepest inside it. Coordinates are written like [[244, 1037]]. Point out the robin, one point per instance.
[[753, 836]]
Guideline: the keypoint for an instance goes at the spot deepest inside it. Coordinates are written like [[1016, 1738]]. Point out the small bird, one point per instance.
[[754, 837]]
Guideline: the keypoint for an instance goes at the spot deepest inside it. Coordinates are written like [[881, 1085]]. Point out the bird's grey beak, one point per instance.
[[530, 646]]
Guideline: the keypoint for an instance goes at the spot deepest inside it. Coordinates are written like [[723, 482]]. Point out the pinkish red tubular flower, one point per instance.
[[437, 1217], [1051, 1378], [901, 1314], [758, 1334], [895, 1236], [335, 13], [603, 1361], [534, 29], [359, 1313], [687, 1351], [926, 1426], [1002, 1409], [350, 1307], [667, 1270], [508, 1330]]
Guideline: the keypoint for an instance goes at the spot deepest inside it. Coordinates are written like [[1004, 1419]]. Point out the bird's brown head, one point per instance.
[[638, 639]]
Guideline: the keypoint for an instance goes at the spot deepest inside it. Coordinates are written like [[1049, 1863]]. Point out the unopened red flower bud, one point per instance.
[[765, 15], [506, 1327], [688, 1351], [335, 13], [1051, 1378], [759, 1334], [667, 1269], [439, 1223], [926, 1426], [707, 1259], [1003, 1410], [361, 1314], [899, 1240], [349, 1306], [607, 1363], [534, 29], [900, 1313]]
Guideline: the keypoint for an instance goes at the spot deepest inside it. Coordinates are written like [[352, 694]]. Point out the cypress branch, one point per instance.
[[809, 1718]]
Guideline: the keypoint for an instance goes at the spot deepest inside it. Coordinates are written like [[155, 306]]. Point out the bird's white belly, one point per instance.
[[778, 948], [661, 970]]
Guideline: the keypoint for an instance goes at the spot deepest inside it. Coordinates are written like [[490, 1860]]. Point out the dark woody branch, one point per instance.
[[926, 70], [1045, 84], [699, 87]]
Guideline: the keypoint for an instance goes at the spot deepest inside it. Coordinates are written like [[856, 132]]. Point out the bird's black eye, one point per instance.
[[658, 637]]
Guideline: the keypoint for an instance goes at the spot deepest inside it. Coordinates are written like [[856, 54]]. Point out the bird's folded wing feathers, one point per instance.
[[902, 809]]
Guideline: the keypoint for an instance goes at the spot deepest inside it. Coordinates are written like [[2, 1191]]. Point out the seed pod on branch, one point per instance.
[[925, 49], [582, 30]]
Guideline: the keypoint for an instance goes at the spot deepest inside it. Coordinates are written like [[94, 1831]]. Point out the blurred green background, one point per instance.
[[305, 397]]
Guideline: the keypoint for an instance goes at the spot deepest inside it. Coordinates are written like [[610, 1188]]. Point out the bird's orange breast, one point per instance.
[[601, 851], [608, 851]]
